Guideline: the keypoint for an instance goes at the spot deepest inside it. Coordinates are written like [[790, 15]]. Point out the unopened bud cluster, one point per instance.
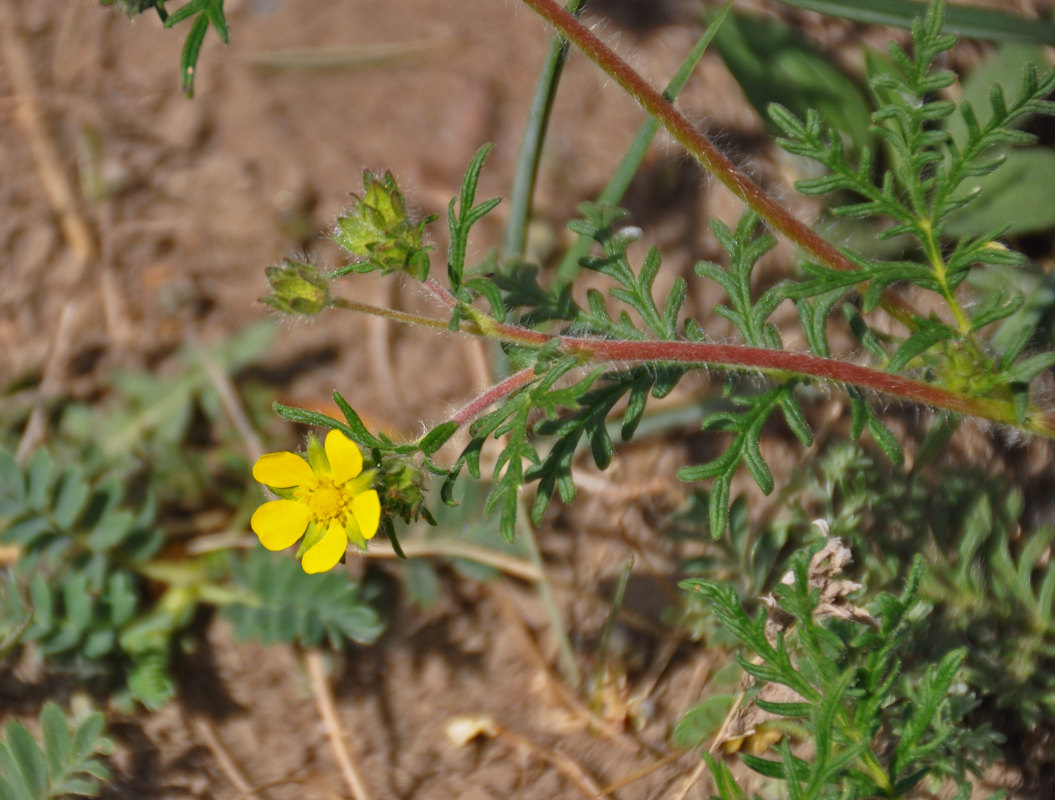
[[377, 231], [297, 288]]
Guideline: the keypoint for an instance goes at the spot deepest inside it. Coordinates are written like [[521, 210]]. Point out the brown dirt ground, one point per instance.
[[198, 196]]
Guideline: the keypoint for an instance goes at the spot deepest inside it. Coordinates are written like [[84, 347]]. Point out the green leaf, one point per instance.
[[12, 484], [11, 782], [111, 530], [88, 738], [32, 767], [1029, 368], [466, 216], [1020, 194], [765, 766], [289, 606], [71, 496], [39, 474], [149, 679], [204, 12], [926, 336], [1004, 67], [724, 781], [191, 49], [437, 437], [57, 740], [318, 419]]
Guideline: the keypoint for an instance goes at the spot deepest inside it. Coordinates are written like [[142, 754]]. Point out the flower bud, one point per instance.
[[377, 231], [402, 488], [297, 288]]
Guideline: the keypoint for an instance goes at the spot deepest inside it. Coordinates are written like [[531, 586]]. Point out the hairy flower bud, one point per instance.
[[297, 288], [377, 231]]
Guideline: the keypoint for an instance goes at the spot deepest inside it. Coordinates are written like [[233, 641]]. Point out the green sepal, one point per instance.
[[312, 536], [317, 458]]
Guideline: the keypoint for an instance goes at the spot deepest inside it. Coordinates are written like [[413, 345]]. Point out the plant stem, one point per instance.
[[635, 154], [695, 142], [704, 150], [937, 262], [482, 402], [702, 354], [525, 530], [534, 136], [388, 313]]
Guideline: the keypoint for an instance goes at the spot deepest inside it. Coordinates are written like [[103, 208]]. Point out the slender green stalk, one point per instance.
[[610, 620], [534, 136], [396, 316], [525, 530], [635, 154]]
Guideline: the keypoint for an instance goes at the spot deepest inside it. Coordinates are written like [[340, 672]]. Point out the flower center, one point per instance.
[[327, 502]]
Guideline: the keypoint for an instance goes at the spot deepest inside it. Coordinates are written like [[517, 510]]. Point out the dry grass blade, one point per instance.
[[30, 115], [320, 687], [344, 58]]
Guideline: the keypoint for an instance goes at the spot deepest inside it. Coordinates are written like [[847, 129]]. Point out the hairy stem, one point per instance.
[[703, 149], [484, 401], [695, 142], [775, 362]]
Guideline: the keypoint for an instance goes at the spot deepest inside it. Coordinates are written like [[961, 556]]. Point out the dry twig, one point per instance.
[[207, 733], [30, 115], [320, 687]]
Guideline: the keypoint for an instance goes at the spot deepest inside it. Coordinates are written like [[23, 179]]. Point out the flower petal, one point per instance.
[[282, 470], [367, 510], [325, 555], [279, 523], [345, 459]]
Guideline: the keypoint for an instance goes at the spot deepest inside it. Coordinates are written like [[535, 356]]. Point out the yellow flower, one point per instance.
[[325, 498]]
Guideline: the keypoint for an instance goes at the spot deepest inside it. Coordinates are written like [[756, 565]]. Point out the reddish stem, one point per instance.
[[742, 356], [481, 403], [713, 160], [440, 292], [703, 149], [702, 353]]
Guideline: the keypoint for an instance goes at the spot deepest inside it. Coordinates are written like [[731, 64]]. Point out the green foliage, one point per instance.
[[203, 13], [99, 587], [80, 544], [877, 728], [986, 574], [378, 233], [65, 762], [926, 186], [746, 558], [166, 424], [1018, 192], [998, 595], [882, 692], [920, 187], [15, 615], [279, 603], [923, 192]]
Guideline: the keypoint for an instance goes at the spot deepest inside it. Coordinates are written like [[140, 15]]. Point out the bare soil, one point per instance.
[[182, 203]]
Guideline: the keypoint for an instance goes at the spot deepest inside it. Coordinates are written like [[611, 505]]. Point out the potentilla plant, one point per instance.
[[878, 722], [572, 366]]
